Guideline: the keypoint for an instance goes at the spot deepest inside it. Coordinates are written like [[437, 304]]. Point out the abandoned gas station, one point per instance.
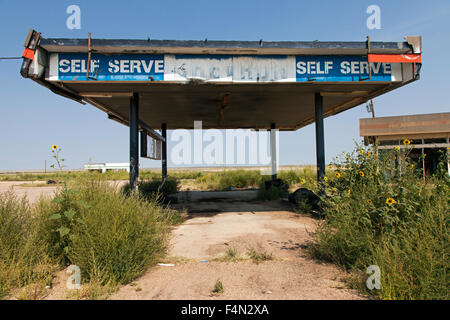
[[152, 85]]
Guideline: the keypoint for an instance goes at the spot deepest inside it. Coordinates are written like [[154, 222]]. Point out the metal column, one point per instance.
[[134, 146], [320, 140], [164, 152], [423, 161], [448, 155], [273, 150]]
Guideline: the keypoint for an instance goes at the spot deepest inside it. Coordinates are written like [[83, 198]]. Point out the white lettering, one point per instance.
[[64, 65], [301, 67], [318, 69], [345, 67], [75, 65], [113, 66], [355, 66], [364, 67], [135, 64], [328, 66], [146, 67], [94, 64], [159, 67], [124, 66], [311, 67], [83, 66], [376, 67]]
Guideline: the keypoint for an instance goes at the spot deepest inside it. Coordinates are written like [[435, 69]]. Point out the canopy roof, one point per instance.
[[226, 84], [417, 126]]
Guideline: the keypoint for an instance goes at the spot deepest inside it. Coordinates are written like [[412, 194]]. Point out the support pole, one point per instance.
[[273, 150], [448, 155], [134, 147], [320, 140], [423, 161], [164, 152]]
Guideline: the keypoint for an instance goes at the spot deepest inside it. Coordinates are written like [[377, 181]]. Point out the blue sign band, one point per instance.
[[228, 68], [73, 66]]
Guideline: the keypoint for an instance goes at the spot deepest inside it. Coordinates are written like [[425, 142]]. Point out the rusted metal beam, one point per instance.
[[320, 138], [134, 141], [164, 152]]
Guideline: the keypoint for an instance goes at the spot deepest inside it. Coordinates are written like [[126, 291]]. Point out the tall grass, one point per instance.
[[240, 178], [203, 180], [112, 237], [379, 213], [292, 177], [229, 179], [145, 174], [154, 190], [23, 258]]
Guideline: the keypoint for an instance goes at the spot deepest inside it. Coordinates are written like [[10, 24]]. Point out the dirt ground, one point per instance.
[[197, 245], [31, 189], [267, 227]]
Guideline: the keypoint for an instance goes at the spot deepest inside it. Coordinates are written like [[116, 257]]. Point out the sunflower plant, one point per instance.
[[63, 219], [59, 161], [378, 210]]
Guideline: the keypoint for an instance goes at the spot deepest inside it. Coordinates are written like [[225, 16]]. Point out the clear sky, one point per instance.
[[32, 118]]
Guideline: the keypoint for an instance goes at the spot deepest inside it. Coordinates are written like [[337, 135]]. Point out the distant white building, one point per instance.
[[103, 167]]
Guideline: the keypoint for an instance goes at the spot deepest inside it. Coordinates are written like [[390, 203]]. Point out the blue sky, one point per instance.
[[32, 118]]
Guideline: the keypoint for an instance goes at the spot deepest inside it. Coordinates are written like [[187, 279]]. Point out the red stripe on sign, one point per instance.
[[28, 53], [396, 58]]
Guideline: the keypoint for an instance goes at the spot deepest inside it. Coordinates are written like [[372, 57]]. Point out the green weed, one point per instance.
[[258, 257], [24, 261], [218, 288], [381, 213]]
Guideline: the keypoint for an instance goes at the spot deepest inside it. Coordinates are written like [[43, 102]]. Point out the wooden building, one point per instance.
[[428, 135]]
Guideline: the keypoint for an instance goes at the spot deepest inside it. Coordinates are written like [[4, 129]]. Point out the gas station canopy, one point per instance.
[[225, 84]]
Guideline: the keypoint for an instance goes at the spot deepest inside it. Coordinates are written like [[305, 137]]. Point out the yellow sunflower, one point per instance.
[[361, 151], [411, 166], [325, 179], [337, 174], [390, 201], [302, 181], [349, 191], [406, 142], [361, 173], [334, 190], [369, 201], [54, 147]]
